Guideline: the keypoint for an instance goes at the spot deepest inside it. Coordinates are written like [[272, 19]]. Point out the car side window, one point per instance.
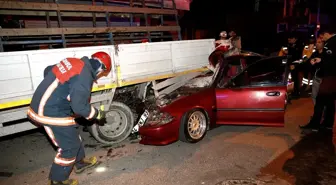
[[229, 72], [265, 72]]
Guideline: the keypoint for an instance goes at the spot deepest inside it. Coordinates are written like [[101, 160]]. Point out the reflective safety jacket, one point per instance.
[[293, 50], [282, 51], [64, 92], [307, 51]]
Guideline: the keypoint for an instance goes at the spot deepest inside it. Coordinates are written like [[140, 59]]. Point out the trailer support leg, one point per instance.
[[110, 98]]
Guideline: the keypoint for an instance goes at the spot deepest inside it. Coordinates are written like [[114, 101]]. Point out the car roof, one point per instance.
[[245, 54], [249, 58], [216, 55]]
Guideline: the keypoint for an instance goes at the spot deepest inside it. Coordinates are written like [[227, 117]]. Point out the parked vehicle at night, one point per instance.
[[247, 89]]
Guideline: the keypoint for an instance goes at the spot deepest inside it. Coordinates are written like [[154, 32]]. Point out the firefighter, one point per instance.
[[307, 68], [327, 90], [65, 91], [223, 43]]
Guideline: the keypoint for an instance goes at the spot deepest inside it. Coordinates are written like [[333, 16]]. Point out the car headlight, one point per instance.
[[159, 118]]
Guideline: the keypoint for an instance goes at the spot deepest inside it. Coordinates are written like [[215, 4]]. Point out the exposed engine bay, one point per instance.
[[149, 112], [147, 109]]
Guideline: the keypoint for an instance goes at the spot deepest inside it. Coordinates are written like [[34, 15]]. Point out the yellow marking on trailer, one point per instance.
[[119, 81], [15, 103], [104, 87]]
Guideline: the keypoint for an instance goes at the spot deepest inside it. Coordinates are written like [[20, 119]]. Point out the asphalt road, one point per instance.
[[227, 155]]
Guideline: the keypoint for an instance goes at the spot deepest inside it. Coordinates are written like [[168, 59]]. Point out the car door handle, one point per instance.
[[273, 93]]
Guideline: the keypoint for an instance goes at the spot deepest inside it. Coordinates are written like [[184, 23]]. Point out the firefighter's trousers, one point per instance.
[[70, 150]]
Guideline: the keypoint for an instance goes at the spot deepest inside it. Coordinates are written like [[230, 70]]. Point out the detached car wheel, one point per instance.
[[193, 126], [120, 122]]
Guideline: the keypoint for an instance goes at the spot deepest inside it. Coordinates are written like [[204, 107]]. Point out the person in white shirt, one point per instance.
[[223, 43], [235, 40]]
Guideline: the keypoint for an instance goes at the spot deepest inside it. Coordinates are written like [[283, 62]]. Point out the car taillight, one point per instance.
[[160, 118]]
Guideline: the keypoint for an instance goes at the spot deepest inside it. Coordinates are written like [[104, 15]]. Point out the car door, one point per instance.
[[256, 96]]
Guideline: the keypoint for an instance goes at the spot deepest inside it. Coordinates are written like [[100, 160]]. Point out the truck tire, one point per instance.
[[120, 122], [193, 126]]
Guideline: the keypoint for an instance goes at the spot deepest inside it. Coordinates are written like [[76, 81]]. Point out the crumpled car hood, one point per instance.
[[178, 94]]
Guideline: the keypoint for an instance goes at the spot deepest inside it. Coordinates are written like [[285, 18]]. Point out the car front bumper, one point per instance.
[[159, 135]]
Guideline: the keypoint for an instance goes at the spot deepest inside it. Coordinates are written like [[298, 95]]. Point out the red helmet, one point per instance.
[[105, 59]]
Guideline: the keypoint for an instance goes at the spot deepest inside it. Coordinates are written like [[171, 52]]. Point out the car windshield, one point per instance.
[[235, 65]]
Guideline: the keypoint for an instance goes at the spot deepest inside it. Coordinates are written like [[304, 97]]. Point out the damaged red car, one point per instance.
[[244, 90]]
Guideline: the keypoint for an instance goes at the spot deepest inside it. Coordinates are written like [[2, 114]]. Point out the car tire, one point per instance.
[[187, 133], [120, 122]]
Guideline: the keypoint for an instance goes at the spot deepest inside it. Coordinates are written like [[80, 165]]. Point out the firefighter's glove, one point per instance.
[[101, 117]]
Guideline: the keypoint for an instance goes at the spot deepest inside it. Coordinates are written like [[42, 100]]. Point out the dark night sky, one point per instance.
[[209, 13], [217, 15]]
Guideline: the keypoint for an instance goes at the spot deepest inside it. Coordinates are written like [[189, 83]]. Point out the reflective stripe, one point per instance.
[[63, 161], [311, 82], [51, 121], [306, 81], [46, 96], [92, 113], [51, 135]]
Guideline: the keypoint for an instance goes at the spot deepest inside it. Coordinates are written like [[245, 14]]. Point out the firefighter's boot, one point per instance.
[[85, 164], [66, 182]]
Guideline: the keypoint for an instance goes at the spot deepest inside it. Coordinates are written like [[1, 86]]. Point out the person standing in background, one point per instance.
[[294, 49], [327, 90], [236, 40], [223, 44], [307, 52], [317, 53]]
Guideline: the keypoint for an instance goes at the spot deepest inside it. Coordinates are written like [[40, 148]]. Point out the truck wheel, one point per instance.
[[194, 125], [120, 122]]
